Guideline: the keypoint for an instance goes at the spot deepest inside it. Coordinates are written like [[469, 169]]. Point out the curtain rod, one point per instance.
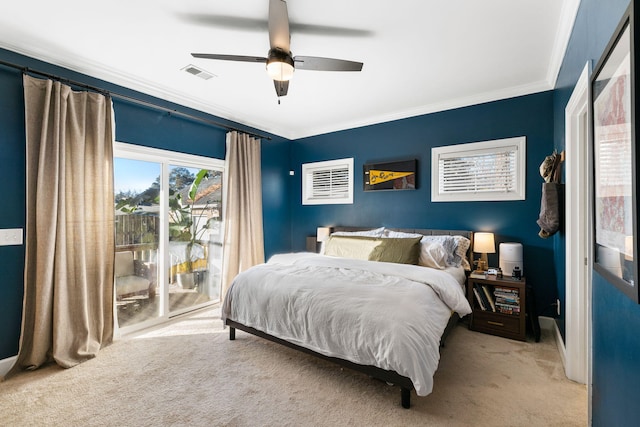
[[132, 99]]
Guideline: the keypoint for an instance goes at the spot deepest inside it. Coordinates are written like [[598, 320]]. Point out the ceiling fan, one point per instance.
[[279, 61]]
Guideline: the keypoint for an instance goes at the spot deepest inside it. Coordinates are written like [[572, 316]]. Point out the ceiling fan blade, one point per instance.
[[325, 64], [328, 31], [240, 58], [260, 25], [224, 21], [282, 87], [279, 36]]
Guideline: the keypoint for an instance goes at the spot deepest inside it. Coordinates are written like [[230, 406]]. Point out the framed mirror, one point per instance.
[[615, 159]]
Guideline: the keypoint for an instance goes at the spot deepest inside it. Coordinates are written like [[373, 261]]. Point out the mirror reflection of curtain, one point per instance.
[[69, 253], [244, 236]]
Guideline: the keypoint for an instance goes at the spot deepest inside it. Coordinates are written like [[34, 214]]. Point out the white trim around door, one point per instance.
[[578, 233]]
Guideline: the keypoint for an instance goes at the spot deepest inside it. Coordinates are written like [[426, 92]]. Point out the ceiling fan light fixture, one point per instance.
[[279, 65]]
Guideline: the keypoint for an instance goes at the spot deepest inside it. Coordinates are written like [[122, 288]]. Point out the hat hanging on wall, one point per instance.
[[552, 191]]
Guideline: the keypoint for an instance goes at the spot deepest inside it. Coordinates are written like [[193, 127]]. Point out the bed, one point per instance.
[[379, 301]]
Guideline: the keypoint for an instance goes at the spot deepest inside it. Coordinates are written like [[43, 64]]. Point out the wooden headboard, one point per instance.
[[426, 231]]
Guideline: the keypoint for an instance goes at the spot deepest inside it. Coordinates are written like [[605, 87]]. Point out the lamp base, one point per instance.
[[482, 264]]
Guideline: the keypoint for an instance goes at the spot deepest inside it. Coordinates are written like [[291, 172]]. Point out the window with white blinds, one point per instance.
[[329, 182], [479, 171]]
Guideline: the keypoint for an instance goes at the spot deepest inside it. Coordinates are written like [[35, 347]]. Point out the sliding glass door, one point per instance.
[[195, 236], [137, 228], [169, 232]]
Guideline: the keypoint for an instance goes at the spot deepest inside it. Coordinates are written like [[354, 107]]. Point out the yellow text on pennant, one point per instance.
[[378, 177]]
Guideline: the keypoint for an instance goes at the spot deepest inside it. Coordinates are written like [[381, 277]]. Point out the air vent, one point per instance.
[[192, 69]]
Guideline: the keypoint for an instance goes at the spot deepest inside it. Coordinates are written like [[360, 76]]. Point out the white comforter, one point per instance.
[[371, 313]]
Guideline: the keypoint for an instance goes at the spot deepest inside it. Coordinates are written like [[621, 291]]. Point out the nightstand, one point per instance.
[[312, 244], [498, 306]]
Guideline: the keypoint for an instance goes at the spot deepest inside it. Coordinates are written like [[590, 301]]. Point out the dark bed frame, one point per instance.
[[392, 377]]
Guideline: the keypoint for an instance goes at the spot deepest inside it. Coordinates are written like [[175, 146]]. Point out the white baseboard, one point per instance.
[[6, 365], [549, 324]]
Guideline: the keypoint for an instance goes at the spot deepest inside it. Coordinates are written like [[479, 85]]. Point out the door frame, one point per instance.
[[578, 160]]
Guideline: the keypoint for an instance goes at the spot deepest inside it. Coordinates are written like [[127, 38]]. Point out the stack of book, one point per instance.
[[501, 300], [507, 300], [478, 274], [484, 297]]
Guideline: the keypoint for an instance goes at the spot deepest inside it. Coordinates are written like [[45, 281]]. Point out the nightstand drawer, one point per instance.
[[485, 321]]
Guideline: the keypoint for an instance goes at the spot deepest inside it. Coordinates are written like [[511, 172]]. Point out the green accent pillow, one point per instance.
[[400, 251]]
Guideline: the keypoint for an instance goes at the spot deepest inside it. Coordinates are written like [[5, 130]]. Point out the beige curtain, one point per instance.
[[243, 237], [68, 297]]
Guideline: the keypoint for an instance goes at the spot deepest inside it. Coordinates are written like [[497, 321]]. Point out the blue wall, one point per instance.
[[529, 116], [135, 124], [275, 196], [616, 356], [616, 319], [12, 174]]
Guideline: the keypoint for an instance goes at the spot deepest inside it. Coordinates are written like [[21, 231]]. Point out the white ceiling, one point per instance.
[[419, 56]]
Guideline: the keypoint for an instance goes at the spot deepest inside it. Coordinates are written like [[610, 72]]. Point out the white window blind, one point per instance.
[[488, 170], [329, 182]]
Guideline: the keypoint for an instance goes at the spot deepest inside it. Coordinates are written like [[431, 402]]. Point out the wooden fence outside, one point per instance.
[[137, 232]]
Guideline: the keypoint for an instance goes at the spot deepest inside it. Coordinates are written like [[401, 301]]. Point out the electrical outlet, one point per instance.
[[558, 306], [10, 236]]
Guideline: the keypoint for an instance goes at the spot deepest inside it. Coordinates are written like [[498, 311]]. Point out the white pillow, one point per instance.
[[400, 234], [376, 232], [461, 251], [432, 254], [354, 247]]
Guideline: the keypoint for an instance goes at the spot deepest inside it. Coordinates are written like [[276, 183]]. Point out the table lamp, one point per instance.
[[483, 243], [322, 234]]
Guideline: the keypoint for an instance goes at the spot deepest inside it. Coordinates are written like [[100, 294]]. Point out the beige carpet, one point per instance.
[[188, 373]]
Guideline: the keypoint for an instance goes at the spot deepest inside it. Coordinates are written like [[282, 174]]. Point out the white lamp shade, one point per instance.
[[323, 233], [484, 243]]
